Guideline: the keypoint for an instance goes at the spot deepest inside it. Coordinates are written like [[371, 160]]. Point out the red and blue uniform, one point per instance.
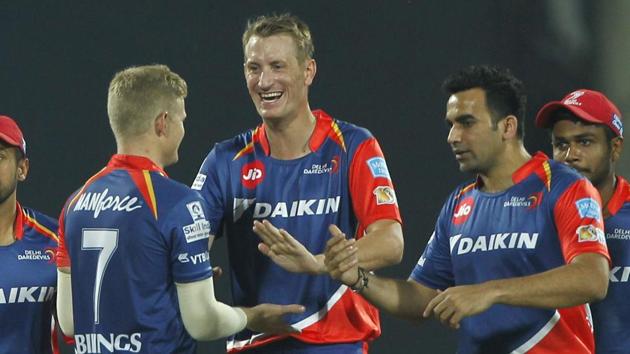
[[343, 181], [611, 316], [28, 286], [128, 235], [548, 217]]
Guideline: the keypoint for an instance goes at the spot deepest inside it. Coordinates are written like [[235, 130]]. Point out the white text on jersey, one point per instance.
[[297, 208], [619, 274], [98, 202], [112, 343], [508, 240], [26, 294]]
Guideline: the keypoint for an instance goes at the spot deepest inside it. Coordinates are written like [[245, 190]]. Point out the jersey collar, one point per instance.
[[619, 197], [132, 162], [538, 164], [324, 127], [18, 224]]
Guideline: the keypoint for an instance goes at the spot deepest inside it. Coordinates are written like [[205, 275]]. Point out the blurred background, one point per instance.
[[380, 65]]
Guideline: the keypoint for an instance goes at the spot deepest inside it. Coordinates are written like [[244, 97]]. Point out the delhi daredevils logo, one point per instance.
[[462, 211], [252, 174]]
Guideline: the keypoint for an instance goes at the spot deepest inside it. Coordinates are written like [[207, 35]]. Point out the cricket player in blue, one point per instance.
[[134, 269], [587, 134], [291, 177], [27, 257], [517, 253]]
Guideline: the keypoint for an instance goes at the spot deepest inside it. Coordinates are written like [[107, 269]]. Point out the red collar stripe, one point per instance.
[[142, 180]]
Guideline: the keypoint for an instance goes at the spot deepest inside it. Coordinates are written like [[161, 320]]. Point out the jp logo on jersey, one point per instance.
[[252, 174], [463, 210]]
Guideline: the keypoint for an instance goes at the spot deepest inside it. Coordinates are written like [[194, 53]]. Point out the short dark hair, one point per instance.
[[565, 114], [504, 92]]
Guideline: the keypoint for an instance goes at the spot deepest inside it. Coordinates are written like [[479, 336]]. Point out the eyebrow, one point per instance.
[[461, 118], [579, 136]]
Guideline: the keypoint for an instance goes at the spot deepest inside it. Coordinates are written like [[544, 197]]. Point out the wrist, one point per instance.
[[318, 266], [362, 281]]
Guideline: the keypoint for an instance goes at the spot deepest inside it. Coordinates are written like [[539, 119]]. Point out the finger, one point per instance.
[[434, 302], [264, 249], [342, 250], [347, 264], [335, 231], [217, 272], [261, 231], [456, 319], [287, 309], [272, 231], [287, 237], [444, 314], [334, 259]]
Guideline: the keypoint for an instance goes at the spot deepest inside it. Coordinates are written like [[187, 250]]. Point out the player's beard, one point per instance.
[[7, 191]]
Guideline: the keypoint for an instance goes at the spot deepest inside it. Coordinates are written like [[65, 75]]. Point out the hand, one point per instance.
[[340, 258], [285, 250], [269, 318], [453, 304]]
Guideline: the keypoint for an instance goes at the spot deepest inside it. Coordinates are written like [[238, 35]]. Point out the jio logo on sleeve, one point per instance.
[[252, 174]]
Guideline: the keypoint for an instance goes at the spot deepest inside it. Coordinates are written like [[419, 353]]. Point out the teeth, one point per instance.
[[270, 95]]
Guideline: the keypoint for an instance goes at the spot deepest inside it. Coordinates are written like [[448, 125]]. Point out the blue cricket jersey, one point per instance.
[[611, 316], [549, 216], [128, 235], [28, 285], [343, 181]]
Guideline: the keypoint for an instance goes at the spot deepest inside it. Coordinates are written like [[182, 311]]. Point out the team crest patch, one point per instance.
[[590, 233], [589, 208], [378, 167], [196, 211], [384, 195]]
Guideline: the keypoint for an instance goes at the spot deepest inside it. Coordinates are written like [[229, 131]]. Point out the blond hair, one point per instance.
[[267, 26], [138, 94]]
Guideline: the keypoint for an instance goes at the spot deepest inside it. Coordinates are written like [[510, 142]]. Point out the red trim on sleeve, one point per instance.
[[571, 224], [62, 258], [373, 198], [619, 197], [18, 224]]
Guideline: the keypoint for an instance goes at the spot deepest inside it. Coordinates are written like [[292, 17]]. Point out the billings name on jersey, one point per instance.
[[112, 343]]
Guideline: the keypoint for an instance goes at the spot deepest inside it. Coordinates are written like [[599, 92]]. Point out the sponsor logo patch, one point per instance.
[[460, 244], [589, 208], [47, 254], [384, 195], [196, 231], [183, 258], [252, 174], [196, 211], [99, 202], [573, 98], [463, 210], [590, 233], [378, 167], [199, 182]]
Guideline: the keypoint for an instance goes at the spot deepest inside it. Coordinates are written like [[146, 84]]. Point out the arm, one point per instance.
[[64, 301], [406, 299], [205, 318], [583, 280]]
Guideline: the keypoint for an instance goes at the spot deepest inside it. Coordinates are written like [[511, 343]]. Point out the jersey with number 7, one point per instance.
[[128, 235]]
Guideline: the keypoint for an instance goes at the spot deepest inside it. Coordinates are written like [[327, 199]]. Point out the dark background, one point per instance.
[[380, 65]]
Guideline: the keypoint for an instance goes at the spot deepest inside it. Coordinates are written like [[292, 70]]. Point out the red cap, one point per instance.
[[11, 134], [588, 105]]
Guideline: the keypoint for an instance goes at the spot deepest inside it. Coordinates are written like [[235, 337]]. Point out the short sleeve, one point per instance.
[[208, 184], [578, 218], [371, 187], [434, 268], [187, 229]]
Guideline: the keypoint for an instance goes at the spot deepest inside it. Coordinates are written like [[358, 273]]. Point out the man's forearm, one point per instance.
[[405, 299], [381, 246]]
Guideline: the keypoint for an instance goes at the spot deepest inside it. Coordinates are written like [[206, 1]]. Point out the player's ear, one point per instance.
[[616, 146], [509, 127], [22, 169], [309, 71], [160, 124]]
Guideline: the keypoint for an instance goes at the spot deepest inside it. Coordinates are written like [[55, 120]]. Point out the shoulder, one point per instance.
[[41, 223]]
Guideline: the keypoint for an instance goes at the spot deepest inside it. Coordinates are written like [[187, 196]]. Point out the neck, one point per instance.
[[140, 146], [606, 189], [499, 177], [289, 138], [7, 220]]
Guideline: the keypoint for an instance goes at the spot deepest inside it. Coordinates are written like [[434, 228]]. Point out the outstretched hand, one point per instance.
[[285, 250], [341, 257], [269, 318]]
